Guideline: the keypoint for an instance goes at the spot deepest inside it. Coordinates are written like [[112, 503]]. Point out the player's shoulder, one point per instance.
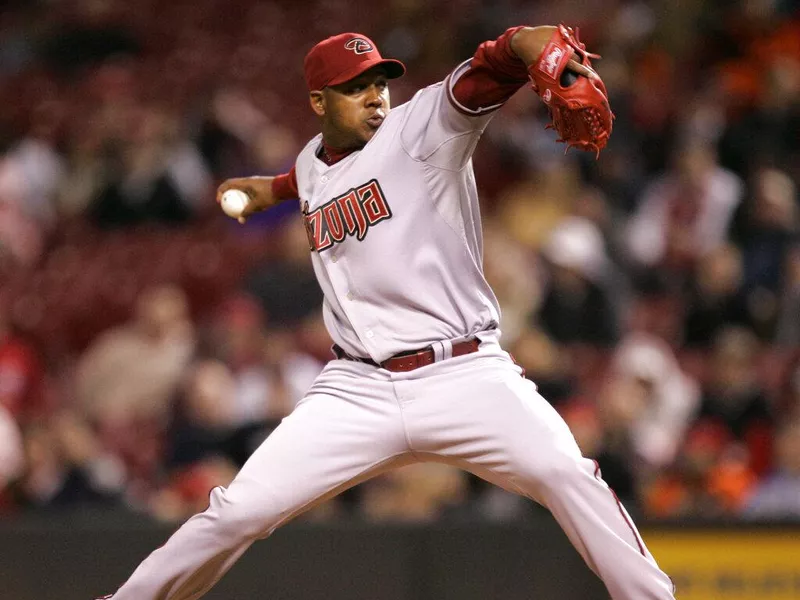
[[424, 98], [306, 156]]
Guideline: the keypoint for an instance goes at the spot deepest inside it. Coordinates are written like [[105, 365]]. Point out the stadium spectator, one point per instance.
[[685, 212], [778, 495], [156, 176], [576, 306], [416, 493], [68, 467], [735, 400], [610, 450], [22, 377], [716, 298], [131, 372], [651, 399], [118, 121], [546, 364], [203, 419], [511, 270], [286, 287], [787, 332], [12, 455]]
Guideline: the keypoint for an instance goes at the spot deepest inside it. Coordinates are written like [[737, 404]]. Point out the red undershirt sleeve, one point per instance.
[[489, 78], [284, 186]]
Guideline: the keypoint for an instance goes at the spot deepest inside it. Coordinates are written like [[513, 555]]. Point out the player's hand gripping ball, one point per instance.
[[578, 104], [234, 202]]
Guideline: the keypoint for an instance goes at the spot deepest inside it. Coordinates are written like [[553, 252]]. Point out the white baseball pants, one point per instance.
[[475, 412]]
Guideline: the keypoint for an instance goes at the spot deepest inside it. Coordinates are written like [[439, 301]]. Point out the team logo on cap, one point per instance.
[[359, 46]]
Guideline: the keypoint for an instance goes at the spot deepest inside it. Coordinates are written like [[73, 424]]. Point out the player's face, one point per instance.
[[351, 112]]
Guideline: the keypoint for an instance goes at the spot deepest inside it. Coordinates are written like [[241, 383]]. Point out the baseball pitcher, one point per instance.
[[390, 206]]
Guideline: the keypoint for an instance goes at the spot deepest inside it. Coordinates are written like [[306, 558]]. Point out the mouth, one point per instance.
[[375, 120]]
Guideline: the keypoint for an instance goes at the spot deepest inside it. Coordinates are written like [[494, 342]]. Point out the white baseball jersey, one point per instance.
[[396, 230]]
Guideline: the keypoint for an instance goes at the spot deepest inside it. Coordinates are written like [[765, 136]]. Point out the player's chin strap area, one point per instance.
[[408, 361]]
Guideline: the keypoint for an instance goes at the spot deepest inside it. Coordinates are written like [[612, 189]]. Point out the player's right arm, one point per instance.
[[263, 192]]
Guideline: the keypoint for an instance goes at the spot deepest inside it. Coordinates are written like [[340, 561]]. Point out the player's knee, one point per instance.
[[244, 518], [558, 471]]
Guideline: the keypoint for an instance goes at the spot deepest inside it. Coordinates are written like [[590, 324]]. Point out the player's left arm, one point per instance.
[[446, 120], [499, 68]]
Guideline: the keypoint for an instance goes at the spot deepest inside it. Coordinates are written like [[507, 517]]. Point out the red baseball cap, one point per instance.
[[340, 58]]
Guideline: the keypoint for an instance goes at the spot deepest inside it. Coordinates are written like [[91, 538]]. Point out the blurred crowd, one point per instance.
[[148, 344]]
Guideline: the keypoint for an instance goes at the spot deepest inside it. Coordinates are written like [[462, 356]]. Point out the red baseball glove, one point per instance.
[[578, 104]]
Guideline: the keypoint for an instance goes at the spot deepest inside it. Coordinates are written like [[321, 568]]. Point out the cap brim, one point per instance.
[[394, 69]]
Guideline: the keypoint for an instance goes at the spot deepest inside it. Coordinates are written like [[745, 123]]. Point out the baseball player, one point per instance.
[[391, 210]]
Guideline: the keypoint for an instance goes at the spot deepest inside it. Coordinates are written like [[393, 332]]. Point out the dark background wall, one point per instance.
[[84, 555], [80, 560]]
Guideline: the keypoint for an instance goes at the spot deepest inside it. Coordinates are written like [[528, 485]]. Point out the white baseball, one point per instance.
[[234, 202]]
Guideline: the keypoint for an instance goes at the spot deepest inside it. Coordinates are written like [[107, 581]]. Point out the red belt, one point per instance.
[[408, 361]]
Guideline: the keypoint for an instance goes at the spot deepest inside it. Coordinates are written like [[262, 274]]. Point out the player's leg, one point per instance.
[[347, 429], [478, 413]]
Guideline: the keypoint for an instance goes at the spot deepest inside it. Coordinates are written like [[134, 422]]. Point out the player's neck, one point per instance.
[[330, 155]]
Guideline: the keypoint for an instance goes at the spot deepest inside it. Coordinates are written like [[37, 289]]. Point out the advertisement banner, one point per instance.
[[730, 565]]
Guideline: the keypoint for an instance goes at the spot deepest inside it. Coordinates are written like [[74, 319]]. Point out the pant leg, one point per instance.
[[345, 430], [478, 413]]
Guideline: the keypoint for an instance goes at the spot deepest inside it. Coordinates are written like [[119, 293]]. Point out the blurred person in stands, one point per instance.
[[761, 82], [286, 288], [131, 371], [778, 495], [203, 420], [710, 478], [789, 401], [767, 229], [159, 177], [67, 467], [295, 357], [604, 445], [787, 332], [685, 212], [577, 306], [236, 136], [269, 370], [238, 341], [715, 299], [186, 491], [546, 363], [12, 457], [40, 165], [419, 493], [650, 400], [87, 168], [228, 409], [21, 235], [530, 209], [127, 377], [511, 271], [734, 398], [22, 376]]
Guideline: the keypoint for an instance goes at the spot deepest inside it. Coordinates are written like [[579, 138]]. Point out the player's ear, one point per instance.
[[317, 101]]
